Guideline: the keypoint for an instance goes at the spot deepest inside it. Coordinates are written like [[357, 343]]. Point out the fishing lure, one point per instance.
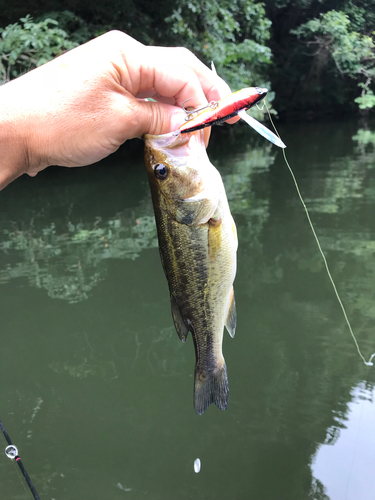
[[235, 104], [219, 111]]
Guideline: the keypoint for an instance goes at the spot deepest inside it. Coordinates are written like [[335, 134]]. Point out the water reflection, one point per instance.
[[69, 264], [103, 365], [346, 469], [70, 260]]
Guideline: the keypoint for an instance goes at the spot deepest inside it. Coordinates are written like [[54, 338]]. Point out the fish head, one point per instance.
[[183, 181]]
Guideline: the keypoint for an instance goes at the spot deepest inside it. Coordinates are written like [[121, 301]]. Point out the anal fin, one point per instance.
[[231, 319], [181, 328]]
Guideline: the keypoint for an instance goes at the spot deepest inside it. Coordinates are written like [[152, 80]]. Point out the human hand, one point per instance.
[[80, 107]]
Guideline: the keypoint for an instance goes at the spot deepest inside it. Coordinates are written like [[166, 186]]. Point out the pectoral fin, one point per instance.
[[181, 328], [231, 319]]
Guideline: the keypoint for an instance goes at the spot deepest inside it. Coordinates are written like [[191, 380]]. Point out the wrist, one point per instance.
[[14, 158]]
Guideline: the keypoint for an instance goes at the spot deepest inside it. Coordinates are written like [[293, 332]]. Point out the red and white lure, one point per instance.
[[235, 104]]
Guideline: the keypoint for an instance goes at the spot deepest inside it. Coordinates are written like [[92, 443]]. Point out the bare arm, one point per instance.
[[80, 107]]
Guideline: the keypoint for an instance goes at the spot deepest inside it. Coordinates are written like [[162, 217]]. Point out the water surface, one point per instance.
[[97, 389]]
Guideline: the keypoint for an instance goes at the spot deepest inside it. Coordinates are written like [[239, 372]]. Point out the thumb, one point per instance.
[[158, 118]]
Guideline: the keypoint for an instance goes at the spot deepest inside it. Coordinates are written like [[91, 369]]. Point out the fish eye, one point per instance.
[[161, 171]]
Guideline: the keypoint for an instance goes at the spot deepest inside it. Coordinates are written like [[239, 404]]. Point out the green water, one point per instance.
[[97, 389]]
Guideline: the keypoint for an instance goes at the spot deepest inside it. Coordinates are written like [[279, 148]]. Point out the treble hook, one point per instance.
[[191, 114], [183, 105]]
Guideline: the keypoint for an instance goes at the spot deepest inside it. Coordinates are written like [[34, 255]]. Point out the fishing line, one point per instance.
[[11, 452], [369, 362]]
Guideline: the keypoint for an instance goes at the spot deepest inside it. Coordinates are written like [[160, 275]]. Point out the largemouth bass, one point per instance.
[[198, 245]]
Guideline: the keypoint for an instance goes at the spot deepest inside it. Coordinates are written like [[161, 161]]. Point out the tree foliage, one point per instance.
[[233, 34], [333, 41], [318, 55], [28, 44], [323, 50]]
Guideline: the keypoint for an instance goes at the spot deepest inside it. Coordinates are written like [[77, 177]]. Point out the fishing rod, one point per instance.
[[11, 452]]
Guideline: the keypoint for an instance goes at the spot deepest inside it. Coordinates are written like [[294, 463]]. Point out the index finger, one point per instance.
[[214, 87], [170, 75]]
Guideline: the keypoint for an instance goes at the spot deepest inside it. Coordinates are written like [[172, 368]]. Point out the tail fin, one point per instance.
[[211, 387]]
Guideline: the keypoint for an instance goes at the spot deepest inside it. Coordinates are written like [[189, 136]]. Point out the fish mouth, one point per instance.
[[174, 144], [165, 139], [172, 140]]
